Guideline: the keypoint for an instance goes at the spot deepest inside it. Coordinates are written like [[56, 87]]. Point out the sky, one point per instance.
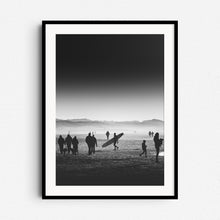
[[110, 77]]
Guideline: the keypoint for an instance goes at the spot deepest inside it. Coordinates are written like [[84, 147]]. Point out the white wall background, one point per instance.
[[199, 109]]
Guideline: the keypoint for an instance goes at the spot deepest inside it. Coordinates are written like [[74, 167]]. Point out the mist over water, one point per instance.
[[131, 128], [132, 132]]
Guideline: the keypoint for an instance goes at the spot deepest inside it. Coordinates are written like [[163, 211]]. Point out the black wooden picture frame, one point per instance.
[[44, 104]]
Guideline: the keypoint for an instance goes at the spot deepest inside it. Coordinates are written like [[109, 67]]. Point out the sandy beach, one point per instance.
[[109, 167]]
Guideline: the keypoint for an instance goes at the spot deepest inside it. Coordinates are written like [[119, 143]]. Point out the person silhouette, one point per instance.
[[93, 144], [158, 143], [61, 142], [68, 141], [115, 142], [152, 133], [149, 133], [75, 143], [107, 134], [89, 143], [144, 148]]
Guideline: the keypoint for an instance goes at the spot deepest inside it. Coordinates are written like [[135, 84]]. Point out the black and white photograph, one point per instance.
[[110, 110]]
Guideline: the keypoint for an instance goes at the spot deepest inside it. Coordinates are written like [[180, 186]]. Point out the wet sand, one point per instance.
[[109, 167]]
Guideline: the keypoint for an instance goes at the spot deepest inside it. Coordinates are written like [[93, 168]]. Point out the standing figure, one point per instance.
[[115, 142], [149, 133], [89, 143], [75, 143], [93, 144], [68, 141], [107, 134], [61, 142], [158, 142], [152, 133], [144, 148]]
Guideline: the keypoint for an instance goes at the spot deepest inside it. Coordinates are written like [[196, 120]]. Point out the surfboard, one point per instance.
[[111, 141]]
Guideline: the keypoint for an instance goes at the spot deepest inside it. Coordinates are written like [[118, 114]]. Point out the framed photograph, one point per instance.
[[110, 110]]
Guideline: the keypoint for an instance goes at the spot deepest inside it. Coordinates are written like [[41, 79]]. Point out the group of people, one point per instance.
[[92, 143], [90, 140], [151, 133], [68, 141], [157, 142]]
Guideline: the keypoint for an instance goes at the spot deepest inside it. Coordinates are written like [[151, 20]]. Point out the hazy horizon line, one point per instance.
[[109, 120]]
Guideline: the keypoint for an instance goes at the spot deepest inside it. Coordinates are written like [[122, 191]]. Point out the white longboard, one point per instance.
[[111, 141]]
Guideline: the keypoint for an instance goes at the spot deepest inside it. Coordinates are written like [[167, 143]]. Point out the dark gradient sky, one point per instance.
[[110, 77]]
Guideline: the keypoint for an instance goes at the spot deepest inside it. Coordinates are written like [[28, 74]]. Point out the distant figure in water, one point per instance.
[[89, 143], [107, 134], [158, 142], [93, 144], [144, 148], [61, 142], [152, 133], [115, 142], [149, 133], [68, 141], [75, 143]]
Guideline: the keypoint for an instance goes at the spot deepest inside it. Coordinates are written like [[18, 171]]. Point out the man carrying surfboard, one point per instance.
[[115, 142]]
